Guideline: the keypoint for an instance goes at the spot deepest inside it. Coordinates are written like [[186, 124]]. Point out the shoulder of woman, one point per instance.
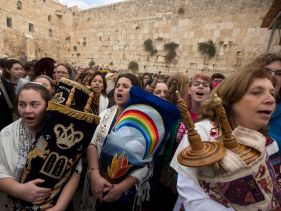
[[10, 129], [108, 111]]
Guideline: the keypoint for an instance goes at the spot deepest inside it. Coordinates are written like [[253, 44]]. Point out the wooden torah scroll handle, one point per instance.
[[89, 102], [171, 90], [199, 153], [155, 81], [247, 154]]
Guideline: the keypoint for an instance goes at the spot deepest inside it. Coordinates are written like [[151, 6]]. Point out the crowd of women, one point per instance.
[[250, 96]]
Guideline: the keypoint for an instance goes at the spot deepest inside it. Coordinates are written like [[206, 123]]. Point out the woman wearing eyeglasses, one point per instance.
[[248, 98], [62, 71], [198, 90]]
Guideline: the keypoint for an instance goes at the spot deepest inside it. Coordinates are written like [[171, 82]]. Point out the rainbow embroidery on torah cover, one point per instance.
[[145, 124]]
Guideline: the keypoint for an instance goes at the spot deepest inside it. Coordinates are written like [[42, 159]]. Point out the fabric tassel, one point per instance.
[[90, 118]]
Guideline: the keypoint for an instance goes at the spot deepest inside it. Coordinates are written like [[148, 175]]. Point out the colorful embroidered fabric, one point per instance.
[[252, 188], [58, 146], [137, 135]]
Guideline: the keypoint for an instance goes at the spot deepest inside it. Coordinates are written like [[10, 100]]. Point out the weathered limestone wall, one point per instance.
[[114, 35], [18, 41]]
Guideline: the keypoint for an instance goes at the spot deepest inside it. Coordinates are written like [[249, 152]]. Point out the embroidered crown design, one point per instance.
[[67, 136], [58, 98]]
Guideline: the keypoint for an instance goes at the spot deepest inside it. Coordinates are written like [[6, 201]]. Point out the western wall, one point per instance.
[[151, 35]]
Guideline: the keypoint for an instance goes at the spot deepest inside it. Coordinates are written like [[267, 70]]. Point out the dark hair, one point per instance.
[[3, 62], [103, 91], [9, 65], [134, 80], [145, 74], [37, 87], [11, 62], [217, 75], [28, 66]]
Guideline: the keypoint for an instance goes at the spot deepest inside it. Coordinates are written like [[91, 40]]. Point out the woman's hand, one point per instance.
[[30, 192], [114, 193], [99, 185], [118, 189], [53, 209]]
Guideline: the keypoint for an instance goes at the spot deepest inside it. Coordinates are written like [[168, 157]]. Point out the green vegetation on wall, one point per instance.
[[148, 46], [171, 49]]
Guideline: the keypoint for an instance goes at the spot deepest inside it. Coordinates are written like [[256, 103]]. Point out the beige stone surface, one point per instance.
[[116, 33]]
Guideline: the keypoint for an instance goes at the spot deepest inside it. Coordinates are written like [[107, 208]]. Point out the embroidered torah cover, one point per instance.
[[250, 188], [57, 149], [138, 134]]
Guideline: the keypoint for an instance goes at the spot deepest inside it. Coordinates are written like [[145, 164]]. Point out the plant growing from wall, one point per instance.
[[148, 46], [134, 66], [207, 48], [181, 10], [92, 63], [171, 49]]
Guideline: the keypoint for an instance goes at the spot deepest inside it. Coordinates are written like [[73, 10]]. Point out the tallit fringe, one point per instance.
[[90, 118]]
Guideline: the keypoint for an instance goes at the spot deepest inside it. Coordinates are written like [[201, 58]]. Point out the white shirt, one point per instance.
[[191, 195]]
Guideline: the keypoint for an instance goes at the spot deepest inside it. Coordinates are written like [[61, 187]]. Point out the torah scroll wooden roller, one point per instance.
[[199, 153], [154, 82], [70, 97], [89, 102], [171, 90], [247, 154]]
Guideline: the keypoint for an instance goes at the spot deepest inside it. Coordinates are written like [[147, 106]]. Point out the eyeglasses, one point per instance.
[[276, 72], [60, 73], [197, 83]]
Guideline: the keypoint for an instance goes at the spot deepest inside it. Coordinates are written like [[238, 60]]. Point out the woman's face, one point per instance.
[[31, 108], [161, 90], [254, 109], [60, 72], [199, 90], [275, 68], [16, 72], [45, 82], [97, 84], [121, 92], [145, 79]]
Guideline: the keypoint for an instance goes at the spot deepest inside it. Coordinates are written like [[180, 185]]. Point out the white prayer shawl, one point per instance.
[[103, 103], [15, 142], [12, 146], [188, 177]]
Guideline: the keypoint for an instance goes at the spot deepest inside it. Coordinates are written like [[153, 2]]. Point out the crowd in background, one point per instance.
[[110, 89]]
